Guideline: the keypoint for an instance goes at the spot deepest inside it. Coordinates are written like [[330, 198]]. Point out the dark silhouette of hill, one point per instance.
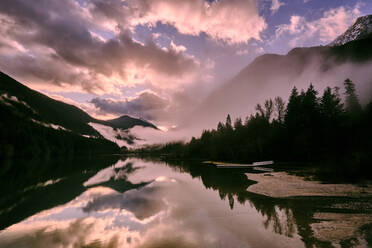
[[56, 112], [47, 109], [126, 122], [33, 124]]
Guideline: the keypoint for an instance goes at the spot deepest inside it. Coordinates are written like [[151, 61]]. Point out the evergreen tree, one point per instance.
[[311, 122], [331, 114], [311, 100], [228, 122], [310, 128], [310, 108], [351, 100], [260, 110], [331, 107], [220, 127], [238, 124], [279, 108], [268, 109], [293, 108]]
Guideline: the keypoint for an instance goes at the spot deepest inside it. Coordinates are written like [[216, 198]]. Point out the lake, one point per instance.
[[132, 202]]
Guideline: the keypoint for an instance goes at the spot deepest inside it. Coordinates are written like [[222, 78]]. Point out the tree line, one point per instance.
[[309, 128]]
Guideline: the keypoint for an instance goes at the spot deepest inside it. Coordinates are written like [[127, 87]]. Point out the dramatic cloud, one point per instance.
[[159, 59], [142, 202], [59, 43], [164, 111], [93, 46], [146, 105], [233, 21], [325, 29]]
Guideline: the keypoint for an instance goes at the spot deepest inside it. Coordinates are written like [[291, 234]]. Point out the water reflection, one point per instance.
[[24, 189], [143, 203], [137, 203]]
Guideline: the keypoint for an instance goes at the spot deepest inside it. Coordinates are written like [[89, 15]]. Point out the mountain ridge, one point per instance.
[[270, 75], [35, 125], [60, 113], [361, 28], [126, 122]]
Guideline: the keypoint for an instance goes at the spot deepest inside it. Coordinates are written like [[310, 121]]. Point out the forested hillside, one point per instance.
[[311, 127]]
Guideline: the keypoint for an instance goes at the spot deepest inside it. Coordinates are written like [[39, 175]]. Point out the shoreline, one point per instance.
[[283, 185]]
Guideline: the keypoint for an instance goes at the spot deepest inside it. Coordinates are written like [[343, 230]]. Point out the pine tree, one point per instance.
[[260, 110], [238, 124], [279, 108], [292, 108], [351, 100], [268, 109], [331, 107], [228, 122], [310, 106], [220, 127]]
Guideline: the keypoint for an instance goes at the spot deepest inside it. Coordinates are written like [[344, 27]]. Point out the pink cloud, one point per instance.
[[232, 21], [325, 29]]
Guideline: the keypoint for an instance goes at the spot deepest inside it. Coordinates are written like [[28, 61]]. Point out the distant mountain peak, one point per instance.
[[126, 122], [359, 30]]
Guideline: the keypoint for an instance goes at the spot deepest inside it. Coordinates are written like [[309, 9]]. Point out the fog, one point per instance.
[[118, 55], [266, 77]]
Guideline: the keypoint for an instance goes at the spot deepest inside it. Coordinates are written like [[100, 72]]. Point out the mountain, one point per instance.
[[126, 122], [34, 124], [44, 109], [359, 30], [59, 113], [273, 75]]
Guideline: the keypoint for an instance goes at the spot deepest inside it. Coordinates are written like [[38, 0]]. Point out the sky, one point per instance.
[[154, 59]]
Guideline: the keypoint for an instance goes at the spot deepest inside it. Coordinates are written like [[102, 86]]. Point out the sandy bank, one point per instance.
[[335, 227], [280, 185]]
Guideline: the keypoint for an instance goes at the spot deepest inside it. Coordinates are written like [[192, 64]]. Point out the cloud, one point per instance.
[[295, 26], [60, 43], [232, 21], [275, 5], [146, 105], [177, 48], [325, 29], [141, 202], [91, 46]]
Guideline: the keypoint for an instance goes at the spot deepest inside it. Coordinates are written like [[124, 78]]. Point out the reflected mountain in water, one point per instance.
[[114, 202], [28, 187]]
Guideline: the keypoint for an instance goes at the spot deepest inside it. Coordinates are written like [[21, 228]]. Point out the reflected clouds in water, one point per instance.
[[145, 204]]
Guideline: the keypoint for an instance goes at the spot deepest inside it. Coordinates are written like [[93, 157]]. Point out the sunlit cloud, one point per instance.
[[325, 29], [67, 48], [177, 52], [233, 21], [275, 5]]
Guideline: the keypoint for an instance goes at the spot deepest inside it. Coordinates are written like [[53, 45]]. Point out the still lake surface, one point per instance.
[[131, 202]]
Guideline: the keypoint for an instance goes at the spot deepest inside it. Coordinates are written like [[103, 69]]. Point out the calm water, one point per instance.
[[108, 202]]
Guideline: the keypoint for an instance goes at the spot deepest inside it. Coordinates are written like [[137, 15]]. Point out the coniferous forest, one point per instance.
[[331, 128]]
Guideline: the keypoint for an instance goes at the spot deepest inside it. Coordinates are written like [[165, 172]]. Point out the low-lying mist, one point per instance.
[[267, 77]]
